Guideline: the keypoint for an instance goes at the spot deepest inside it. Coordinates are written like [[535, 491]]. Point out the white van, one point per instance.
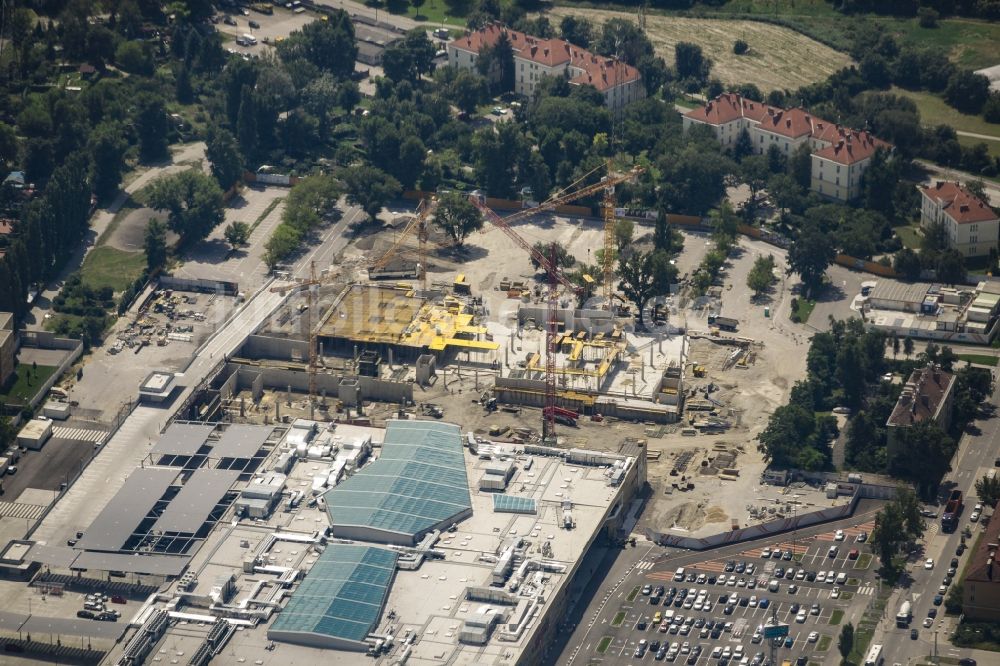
[[679, 574], [249, 39]]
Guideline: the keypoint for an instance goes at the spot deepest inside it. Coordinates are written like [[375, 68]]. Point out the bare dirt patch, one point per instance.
[[779, 57]]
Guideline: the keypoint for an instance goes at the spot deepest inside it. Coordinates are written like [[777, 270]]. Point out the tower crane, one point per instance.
[[555, 275], [417, 224], [310, 284]]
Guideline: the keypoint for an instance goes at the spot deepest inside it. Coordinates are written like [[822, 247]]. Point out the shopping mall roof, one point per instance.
[[192, 506], [119, 519], [183, 439], [241, 441], [340, 600], [418, 483]]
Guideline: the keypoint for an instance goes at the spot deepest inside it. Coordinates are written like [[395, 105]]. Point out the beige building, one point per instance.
[[535, 58], [8, 347], [839, 155], [971, 226]]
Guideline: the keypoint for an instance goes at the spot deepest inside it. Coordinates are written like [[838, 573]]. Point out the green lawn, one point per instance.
[[618, 619], [909, 236], [971, 44], [934, 111], [993, 147], [27, 383], [980, 359], [603, 644], [837, 616], [824, 643], [803, 308], [432, 11], [110, 267], [864, 561], [631, 595]]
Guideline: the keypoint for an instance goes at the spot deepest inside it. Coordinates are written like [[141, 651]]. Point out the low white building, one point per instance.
[[971, 226], [534, 58], [840, 155]]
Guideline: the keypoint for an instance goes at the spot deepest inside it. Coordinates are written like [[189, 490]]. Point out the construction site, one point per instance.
[[449, 441]]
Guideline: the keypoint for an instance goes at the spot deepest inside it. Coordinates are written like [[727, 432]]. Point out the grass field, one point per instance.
[[602, 646], [110, 267], [934, 111], [432, 11], [908, 236], [980, 359], [971, 44], [824, 643], [993, 147], [803, 308], [27, 383], [779, 57], [837, 616]]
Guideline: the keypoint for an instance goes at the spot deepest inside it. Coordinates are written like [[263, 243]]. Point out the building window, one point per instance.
[[838, 168]]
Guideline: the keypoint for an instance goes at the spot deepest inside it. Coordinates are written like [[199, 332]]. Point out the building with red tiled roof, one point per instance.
[[971, 226], [839, 155], [981, 586], [6, 227], [535, 58]]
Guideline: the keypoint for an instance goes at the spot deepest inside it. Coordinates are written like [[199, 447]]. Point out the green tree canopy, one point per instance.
[[193, 201], [457, 217]]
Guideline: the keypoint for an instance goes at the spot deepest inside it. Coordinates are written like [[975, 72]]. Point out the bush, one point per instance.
[[928, 17], [740, 47]]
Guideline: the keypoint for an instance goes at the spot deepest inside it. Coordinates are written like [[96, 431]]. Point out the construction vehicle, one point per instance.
[[725, 323], [949, 519], [699, 371], [562, 416]]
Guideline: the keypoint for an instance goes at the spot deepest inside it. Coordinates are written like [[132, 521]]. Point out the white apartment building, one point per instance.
[[534, 58], [971, 225], [839, 155]]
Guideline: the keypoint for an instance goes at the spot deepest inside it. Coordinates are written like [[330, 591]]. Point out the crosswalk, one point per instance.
[[867, 589], [18, 510], [80, 434], [644, 566]]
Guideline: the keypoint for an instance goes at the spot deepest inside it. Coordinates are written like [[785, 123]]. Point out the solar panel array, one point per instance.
[[418, 481], [342, 595], [514, 504]]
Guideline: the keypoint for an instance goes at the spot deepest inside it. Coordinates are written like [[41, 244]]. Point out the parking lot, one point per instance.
[[280, 24], [714, 611]]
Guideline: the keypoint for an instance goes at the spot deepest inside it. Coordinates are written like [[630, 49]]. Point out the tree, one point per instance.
[[809, 256], [988, 490], [922, 456], [761, 275], [555, 253], [283, 242], [692, 181], [151, 125], [575, 30], [644, 275], [246, 124], [624, 230], [623, 39], [134, 58], [155, 245], [740, 47], [743, 146], [665, 237], [907, 263], [224, 155], [907, 346], [107, 158], [237, 234], [328, 45], [895, 345], [690, 62], [182, 85], [951, 267], [846, 641], [967, 91], [496, 64], [370, 188], [468, 90], [457, 216], [755, 173], [193, 201]]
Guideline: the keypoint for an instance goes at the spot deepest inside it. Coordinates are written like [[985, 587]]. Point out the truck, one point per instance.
[[725, 323], [949, 519], [904, 615], [562, 416]]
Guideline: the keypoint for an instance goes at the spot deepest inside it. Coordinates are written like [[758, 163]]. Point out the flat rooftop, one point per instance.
[[904, 292], [157, 381]]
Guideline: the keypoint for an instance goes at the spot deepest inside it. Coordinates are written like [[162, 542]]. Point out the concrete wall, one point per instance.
[[531, 393], [46, 340], [279, 379], [277, 349]]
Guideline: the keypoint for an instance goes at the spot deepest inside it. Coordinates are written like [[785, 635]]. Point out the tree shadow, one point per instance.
[[830, 293], [237, 202], [462, 253]]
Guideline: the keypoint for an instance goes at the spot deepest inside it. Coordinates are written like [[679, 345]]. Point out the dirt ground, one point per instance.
[[779, 58]]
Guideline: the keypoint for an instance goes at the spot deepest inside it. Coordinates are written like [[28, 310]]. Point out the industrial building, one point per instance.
[[957, 314]]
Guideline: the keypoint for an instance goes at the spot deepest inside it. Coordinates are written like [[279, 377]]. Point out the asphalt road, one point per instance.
[[975, 456]]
